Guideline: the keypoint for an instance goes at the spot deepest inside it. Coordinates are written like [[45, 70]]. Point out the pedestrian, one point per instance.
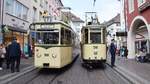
[[15, 55], [112, 50], [7, 56], [125, 52], [29, 50], [2, 55]]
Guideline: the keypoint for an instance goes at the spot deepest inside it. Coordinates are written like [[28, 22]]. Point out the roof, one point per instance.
[[73, 17], [61, 2], [116, 19]]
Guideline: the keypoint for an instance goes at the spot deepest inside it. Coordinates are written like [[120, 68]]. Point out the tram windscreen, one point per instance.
[[47, 37], [95, 37]]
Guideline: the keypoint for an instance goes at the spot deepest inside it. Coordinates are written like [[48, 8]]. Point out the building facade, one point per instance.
[[137, 14], [114, 26], [16, 20], [1, 36], [45, 10], [17, 15]]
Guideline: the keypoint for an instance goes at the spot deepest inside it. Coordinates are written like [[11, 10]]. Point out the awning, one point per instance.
[[121, 34], [6, 28]]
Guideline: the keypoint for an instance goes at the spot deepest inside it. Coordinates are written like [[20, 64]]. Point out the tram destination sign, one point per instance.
[[44, 26]]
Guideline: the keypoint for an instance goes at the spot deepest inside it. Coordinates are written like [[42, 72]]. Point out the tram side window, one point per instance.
[[95, 37], [66, 36], [86, 35], [62, 36], [104, 36]]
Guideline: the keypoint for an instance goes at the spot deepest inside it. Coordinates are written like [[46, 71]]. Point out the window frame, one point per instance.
[[131, 5], [140, 3]]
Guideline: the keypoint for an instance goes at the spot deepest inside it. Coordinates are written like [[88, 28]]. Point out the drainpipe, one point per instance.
[[2, 27]]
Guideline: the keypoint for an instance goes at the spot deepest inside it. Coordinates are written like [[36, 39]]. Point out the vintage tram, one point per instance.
[[93, 43], [53, 44]]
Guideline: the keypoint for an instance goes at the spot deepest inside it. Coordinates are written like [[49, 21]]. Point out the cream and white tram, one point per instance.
[[93, 43], [53, 44]]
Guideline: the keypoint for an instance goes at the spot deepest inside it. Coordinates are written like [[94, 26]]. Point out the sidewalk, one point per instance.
[[23, 64], [138, 73]]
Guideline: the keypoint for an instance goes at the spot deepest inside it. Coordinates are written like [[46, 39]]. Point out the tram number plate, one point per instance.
[[95, 53], [46, 55]]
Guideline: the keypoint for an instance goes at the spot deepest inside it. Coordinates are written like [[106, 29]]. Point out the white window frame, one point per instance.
[[7, 9], [141, 3], [131, 5]]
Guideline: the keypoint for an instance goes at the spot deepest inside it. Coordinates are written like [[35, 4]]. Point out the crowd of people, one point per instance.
[[10, 54]]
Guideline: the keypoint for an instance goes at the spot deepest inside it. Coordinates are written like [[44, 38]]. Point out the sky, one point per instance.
[[106, 9]]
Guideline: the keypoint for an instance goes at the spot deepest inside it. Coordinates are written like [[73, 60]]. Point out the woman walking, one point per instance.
[[2, 55]]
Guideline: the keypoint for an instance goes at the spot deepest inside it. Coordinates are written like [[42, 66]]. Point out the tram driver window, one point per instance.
[[86, 35], [47, 38], [95, 37]]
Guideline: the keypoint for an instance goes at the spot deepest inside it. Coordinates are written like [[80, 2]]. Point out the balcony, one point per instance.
[[144, 7]]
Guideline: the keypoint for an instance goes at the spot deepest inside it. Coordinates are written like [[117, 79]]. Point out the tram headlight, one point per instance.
[[38, 55], [54, 56]]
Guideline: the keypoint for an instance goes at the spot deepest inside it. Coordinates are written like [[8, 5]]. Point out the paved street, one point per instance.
[[23, 64], [76, 74]]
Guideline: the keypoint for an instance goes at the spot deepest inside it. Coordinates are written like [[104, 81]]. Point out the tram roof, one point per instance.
[[94, 26], [52, 23]]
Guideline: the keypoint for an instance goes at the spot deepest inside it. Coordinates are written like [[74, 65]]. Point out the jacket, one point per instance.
[[14, 50]]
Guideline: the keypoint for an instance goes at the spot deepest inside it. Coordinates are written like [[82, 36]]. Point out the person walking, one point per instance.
[[15, 55], [7, 57], [126, 52], [112, 52], [2, 55]]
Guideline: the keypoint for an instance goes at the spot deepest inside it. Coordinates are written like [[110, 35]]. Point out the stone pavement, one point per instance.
[[25, 63], [138, 73]]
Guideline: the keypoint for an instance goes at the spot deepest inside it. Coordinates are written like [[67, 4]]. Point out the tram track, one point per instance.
[[74, 73], [55, 72]]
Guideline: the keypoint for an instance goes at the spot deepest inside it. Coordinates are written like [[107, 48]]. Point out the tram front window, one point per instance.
[[95, 37], [47, 37]]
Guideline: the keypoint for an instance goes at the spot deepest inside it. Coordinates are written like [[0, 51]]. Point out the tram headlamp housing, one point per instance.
[[38, 55], [54, 56]]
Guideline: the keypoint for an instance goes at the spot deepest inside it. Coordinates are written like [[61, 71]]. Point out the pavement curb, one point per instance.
[[7, 78], [133, 78], [136, 79]]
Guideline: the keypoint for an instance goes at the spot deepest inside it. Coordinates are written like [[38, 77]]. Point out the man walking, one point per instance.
[[15, 55], [112, 52]]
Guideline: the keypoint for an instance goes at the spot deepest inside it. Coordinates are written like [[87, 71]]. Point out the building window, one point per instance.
[[34, 14], [25, 13], [35, 1], [140, 2], [9, 6], [131, 5], [40, 17], [18, 9], [41, 3]]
